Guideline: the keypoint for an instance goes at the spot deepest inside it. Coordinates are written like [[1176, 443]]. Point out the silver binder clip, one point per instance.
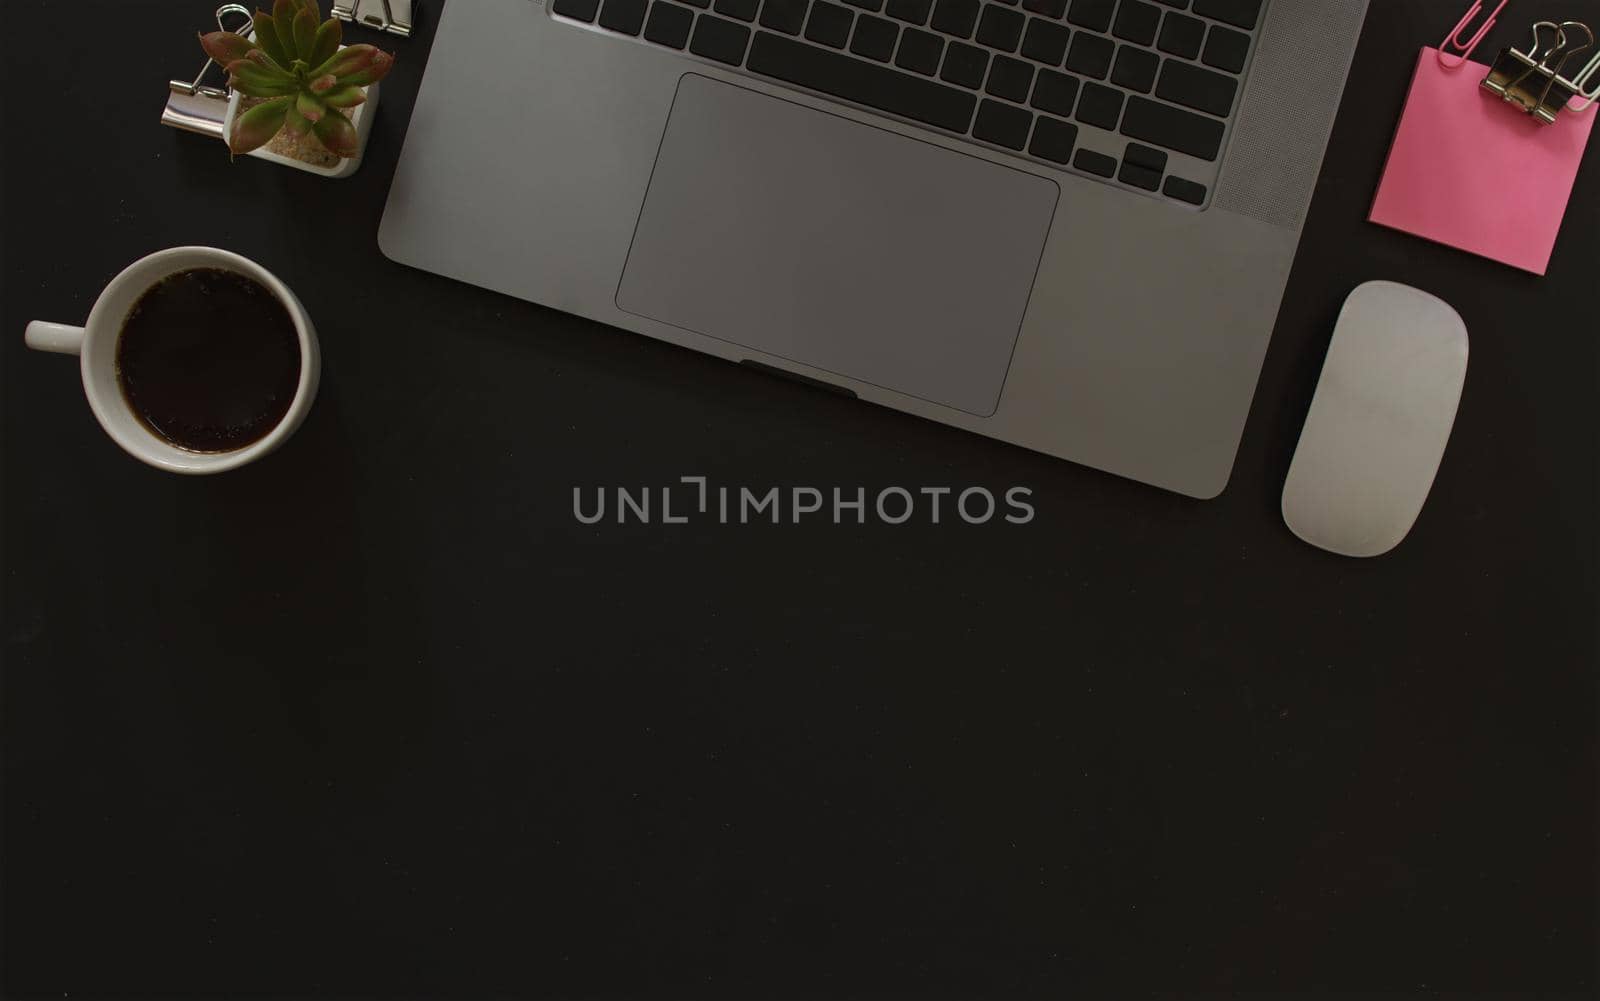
[[1588, 81], [192, 105], [393, 16], [1536, 80]]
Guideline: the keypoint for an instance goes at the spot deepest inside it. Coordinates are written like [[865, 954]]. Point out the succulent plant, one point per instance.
[[306, 80]]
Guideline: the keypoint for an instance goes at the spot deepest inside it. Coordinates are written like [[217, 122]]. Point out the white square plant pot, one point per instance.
[[360, 116]]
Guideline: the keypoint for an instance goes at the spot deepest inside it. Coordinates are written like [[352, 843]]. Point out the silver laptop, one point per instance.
[[1065, 224]]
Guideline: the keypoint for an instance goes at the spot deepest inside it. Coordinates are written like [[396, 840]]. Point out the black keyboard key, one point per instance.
[[1172, 128], [1227, 50], [1045, 42], [1135, 69], [578, 10], [1137, 22], [1144, 156], [874, 38], [669, 24], [1140, 177], [1100, 106], [872, 5], [744, 10], [787, 16], [1095, 163], [1000, 28], [1056, 93], [1182, 35], [1092, 14], [1197, 88], [964, 65], [1239, 13], [721, 40], [1010, 78], [1053, 140], [1091, 55], [911, 11], [1049, 8], [955, 17], [866, 83], [919, 51], [829, 24], [623, 16], [1185, 190], [1002, 124]]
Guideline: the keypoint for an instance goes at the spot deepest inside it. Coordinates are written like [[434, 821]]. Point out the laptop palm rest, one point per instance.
[[840, 246]]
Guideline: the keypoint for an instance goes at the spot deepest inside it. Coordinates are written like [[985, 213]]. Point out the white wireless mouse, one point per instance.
[[1379, 422]]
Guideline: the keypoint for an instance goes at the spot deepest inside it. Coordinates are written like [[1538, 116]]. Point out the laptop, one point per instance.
[[1063, 224]]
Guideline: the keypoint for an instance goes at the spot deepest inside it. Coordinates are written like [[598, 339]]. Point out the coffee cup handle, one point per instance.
[[57, 337]]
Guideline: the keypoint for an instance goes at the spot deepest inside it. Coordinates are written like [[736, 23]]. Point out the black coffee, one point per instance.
[[210, 360]]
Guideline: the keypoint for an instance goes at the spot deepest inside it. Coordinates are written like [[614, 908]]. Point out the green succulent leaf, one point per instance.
[[283, 12], [295, 124], [309, 107], [313, 7], [266, 62], [305, 34], [326, 42], [256, 127], [337, 134], [267, 38], [379, 68], [350, 59], [345, 97], [260, 58], [250, 77], [225, 47]]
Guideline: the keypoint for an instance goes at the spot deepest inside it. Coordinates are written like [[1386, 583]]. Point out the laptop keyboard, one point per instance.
[[1136, 92]]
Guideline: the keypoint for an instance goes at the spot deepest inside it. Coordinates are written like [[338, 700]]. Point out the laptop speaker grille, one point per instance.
[[1295, 87]]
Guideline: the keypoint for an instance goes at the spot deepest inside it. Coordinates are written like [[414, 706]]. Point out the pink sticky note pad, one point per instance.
[[1470, 171]]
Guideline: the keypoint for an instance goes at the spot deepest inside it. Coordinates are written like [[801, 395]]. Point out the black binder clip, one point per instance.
[[1536, 81], [393, 16]]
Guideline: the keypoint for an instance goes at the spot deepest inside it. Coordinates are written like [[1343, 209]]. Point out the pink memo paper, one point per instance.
[[1469, 171]]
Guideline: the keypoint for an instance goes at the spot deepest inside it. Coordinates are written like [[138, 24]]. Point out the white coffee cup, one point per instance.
[[96, 345]]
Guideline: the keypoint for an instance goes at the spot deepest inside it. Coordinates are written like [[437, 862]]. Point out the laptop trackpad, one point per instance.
[[838, 245]]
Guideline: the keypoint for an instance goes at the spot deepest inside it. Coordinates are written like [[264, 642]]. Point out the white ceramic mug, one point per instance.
[[96, 345]]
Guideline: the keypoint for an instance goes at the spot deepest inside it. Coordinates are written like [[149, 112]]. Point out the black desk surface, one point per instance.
[[377, 716]]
